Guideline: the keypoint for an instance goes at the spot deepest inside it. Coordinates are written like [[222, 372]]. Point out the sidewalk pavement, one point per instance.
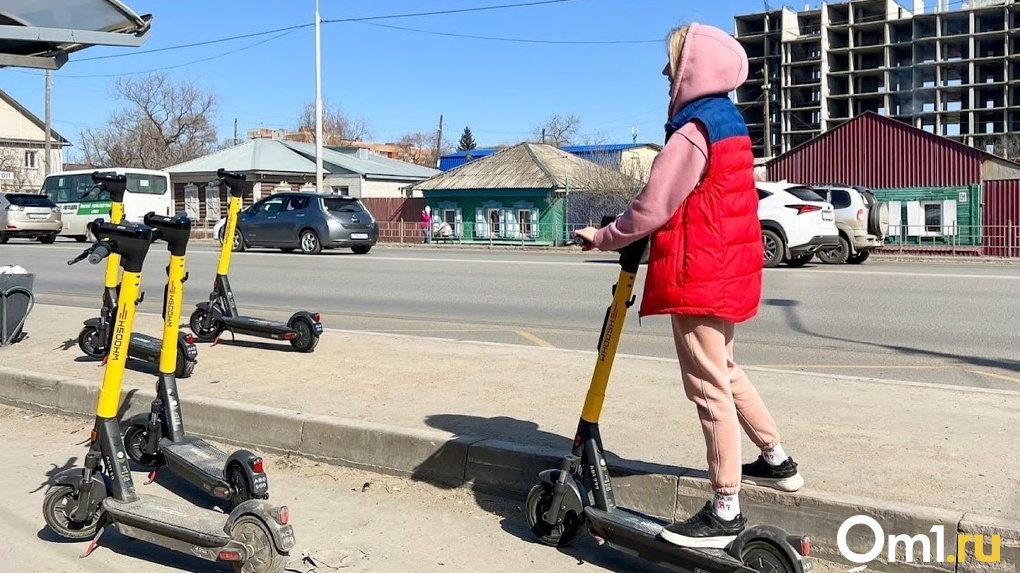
[[892, 445]]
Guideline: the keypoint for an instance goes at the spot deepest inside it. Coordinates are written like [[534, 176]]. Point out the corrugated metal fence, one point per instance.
[[1001, 218]]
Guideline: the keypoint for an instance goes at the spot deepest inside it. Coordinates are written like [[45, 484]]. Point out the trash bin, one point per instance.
[[16, 302]]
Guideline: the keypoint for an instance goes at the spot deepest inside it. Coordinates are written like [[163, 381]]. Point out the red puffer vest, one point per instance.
[[708, 258]]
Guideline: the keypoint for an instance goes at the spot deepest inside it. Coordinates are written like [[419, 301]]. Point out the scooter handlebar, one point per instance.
[[100, 252], [232, 180], [115, 184]]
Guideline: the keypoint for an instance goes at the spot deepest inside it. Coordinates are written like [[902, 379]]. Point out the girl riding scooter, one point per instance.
[[705, 267]]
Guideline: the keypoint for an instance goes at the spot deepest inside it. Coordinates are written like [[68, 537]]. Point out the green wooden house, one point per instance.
[[521, 194]]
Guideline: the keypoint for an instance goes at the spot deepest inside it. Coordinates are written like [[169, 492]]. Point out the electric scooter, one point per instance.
[[158, 437], [94, 338], [211, 318], [82, 502], [579, 494]]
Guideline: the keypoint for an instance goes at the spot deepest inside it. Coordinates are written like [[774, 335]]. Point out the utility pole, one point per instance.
[[235, 131], [633, 134], [767, 89], [439, 140], [318, 101], [49, 83], [543, 135]]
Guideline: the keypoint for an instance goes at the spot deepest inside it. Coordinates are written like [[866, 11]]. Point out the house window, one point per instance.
[[30, 157], [524, 221], [932, 217], [494, 221]]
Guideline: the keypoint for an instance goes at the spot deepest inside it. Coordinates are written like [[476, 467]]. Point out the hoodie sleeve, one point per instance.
[[675, 172]]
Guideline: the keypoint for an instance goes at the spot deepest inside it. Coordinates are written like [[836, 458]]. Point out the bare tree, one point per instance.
[[598, 187], [164, 122], [1007, 146], [13, 159], [558, 130], [594, 138], [419, 147], [338, 128]]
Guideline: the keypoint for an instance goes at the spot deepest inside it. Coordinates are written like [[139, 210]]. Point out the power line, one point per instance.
[[199, 61], [443, 12], [196, 44], [515, 40]]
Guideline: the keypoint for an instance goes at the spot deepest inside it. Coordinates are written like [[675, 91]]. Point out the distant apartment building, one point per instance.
[[954, 72]]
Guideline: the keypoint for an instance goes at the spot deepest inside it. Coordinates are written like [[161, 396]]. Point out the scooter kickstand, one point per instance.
[[92, 544], [152, 476]]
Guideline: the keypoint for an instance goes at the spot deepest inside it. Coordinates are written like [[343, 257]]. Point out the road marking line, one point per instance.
[[846, 366], [531, 337], [993, 375]]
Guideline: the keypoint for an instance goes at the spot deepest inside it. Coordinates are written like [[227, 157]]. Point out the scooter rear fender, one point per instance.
[[258, 482], [788, 543], [576, 499], [269, 514], [304, 314]]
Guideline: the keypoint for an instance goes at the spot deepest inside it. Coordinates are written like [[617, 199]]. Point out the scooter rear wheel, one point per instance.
[[251, 532], [135, 438], [53, 513], [306, 340], [765, 557], [184, 366], [90, 343], [539, 501]]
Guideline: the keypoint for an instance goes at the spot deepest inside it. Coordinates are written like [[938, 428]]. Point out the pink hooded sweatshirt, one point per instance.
[[711, 62]]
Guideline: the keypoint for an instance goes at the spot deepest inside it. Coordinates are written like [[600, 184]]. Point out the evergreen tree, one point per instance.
[[467, 141]]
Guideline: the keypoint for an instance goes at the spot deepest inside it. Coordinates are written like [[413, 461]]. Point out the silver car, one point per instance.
[[29, 216], [309, 222]]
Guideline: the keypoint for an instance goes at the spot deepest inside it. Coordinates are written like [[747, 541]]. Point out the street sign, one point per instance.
[[6, 176]]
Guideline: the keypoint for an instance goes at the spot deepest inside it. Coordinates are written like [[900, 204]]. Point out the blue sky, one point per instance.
[[399, 81]]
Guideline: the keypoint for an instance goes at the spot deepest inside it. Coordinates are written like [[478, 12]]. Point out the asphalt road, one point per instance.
[[947, 323]]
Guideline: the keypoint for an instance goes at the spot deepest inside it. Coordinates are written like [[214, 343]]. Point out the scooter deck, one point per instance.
[[257, 326], [194, 457], [634, 532], [166, 517]]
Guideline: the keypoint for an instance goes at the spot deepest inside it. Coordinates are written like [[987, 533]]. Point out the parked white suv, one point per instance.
[[795, 223], [862, 220]]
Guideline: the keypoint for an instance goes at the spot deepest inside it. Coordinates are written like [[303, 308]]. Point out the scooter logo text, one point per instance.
[[118, 335], [911, 543]]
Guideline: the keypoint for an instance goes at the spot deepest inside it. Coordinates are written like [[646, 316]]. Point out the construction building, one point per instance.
[[951, 68]]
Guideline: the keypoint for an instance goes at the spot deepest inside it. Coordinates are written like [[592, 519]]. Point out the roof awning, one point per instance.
[[41, 33]]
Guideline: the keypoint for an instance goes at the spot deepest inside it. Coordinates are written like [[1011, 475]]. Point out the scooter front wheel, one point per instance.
[[538, 503], [253, 534], [201, 332], [90, 343], [55, 515]]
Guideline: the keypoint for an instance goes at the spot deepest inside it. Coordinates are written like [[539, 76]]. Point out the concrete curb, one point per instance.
[[509, 469]]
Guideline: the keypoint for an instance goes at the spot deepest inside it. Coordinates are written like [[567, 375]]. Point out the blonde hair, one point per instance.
[[675, 46]]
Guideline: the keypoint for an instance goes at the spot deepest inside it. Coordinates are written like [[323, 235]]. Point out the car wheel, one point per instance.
[[48, 239], [361, 250], [310, 242], [238, 246], [837, 255], [774, 248], [858, 258], [800, 261], [4, 238]]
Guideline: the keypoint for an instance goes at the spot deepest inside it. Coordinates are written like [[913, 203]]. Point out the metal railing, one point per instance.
[[987, 240]]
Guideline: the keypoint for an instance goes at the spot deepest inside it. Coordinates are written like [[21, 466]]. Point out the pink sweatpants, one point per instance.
[[723, 395]]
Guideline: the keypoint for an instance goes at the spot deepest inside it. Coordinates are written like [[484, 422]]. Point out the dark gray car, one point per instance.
[[308, 222]]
